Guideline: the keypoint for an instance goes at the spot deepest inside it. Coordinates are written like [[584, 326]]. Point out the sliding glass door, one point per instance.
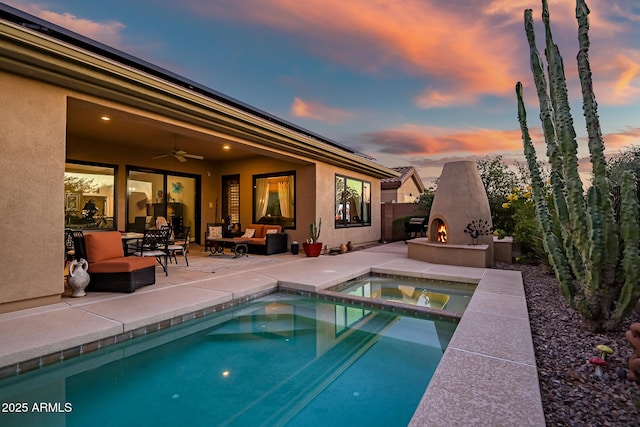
[[154, 194]]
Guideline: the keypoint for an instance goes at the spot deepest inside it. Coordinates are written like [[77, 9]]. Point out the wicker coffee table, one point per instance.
[[238, 246]]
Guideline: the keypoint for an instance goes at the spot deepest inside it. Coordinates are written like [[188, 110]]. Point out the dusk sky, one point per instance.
[[409, 82]]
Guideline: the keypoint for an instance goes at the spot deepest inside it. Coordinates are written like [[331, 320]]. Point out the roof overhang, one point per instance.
[[39, 56]]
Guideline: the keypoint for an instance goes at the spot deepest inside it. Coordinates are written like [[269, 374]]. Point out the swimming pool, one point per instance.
[[445, 296], [279, 360]]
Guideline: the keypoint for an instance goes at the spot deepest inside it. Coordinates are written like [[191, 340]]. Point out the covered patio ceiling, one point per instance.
[[84, 121]]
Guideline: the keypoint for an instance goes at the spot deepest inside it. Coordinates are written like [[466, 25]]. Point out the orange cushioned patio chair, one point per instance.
[[110, 270]]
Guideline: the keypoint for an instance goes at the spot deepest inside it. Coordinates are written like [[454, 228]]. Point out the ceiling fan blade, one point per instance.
[[194, 156], [180, 158], [161, 156]]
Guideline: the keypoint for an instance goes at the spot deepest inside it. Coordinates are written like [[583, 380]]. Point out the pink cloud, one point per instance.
[[619, 79], [469, 48], [416, 140], [317, 111], [415, 36], [617, 140]]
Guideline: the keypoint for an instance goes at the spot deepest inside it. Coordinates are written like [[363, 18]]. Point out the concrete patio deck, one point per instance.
[[487, 375]]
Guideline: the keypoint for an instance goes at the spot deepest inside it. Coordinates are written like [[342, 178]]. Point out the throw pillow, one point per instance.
[[248, 233], [215, 232], [272, 231]]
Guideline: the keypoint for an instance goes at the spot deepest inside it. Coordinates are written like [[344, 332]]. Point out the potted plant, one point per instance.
[[312, 247]]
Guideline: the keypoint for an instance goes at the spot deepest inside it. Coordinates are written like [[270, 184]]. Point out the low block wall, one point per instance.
[[502, 249], [448, 254]]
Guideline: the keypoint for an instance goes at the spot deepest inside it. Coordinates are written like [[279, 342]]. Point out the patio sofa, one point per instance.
[[109, 269], [267, 239]]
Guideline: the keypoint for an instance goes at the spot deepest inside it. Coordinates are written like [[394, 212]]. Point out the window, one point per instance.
[[274, 199], [156, 193], [89, 191], [353, 202], [231, 198]]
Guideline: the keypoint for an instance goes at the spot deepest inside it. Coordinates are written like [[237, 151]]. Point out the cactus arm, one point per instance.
[[590, 106], [550, 241], [314, 230], [546, 116], [595, 256], [553, 150], [566, 138], [630, 235], [596, 143]]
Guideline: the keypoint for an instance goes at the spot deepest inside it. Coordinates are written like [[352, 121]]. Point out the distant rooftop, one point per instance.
[[406, 172]]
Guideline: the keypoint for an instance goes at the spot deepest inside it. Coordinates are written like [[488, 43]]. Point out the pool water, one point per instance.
[[279, 360], [443, 295]]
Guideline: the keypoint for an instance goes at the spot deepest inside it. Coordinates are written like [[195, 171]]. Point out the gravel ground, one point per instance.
[[571, 394]]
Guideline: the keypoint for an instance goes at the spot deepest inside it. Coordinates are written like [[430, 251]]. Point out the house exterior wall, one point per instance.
[[325, 209], [305, 180], [32, 144], [315, 198], [407, 192], [40, 79]]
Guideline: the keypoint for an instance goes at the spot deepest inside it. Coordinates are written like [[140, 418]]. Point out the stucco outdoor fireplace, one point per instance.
[[460, 221]]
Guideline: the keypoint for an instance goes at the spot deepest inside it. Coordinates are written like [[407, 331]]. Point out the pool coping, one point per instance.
[[487, 375]]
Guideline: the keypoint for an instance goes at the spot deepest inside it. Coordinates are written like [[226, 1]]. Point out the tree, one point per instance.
[[499, 182], [425, 200], [627, 160], [594, 254]]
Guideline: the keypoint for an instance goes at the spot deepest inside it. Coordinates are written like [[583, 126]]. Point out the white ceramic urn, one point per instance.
[[78, 277]]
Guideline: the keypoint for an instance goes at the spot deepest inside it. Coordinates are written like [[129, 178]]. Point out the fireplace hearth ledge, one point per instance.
[[422, 249]]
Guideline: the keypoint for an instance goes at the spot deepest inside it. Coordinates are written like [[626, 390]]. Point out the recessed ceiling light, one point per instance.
[[105, 118], [226, 147]]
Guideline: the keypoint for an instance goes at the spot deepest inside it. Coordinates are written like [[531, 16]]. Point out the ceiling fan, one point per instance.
[[181, 155]]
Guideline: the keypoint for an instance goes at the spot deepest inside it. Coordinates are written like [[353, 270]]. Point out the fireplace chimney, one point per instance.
[[460, 199]]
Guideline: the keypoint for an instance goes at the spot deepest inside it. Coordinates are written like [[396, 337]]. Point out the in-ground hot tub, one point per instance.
[[445, 298]]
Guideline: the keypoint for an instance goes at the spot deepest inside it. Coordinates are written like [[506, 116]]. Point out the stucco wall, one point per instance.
[[305, 180], [401, 194], [325, 209], [35, 146], [408, 192], [318, 179], [32, 145]]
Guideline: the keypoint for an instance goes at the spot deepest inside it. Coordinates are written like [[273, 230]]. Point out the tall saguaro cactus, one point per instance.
[[596, 259]]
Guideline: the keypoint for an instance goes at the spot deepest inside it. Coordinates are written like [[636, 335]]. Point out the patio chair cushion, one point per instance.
[[121, 265], [261, 230], [215, 231], [249, 233], [103, 245], [267, 240], [109, 269]]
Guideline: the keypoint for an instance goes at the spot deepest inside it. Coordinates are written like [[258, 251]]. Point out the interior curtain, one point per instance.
[[354, 207], [366, 206], [262, 198], [285, 195]]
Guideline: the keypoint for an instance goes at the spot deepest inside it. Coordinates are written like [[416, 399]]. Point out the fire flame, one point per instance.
[[442, 233]]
